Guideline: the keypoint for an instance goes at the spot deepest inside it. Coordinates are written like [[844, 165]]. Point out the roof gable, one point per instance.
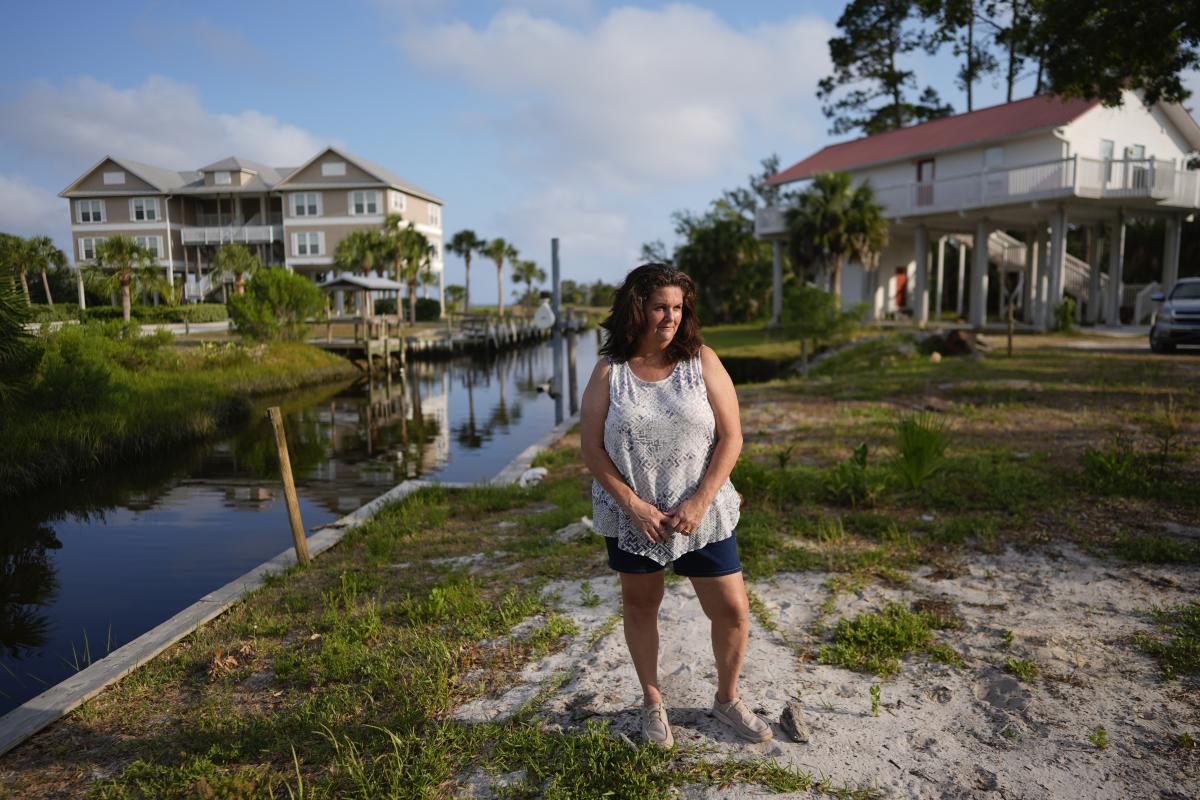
[[1004, 121], [139, 178], [308, 174]]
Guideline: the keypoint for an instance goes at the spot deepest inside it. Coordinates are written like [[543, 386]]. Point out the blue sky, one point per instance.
[[580, 119]]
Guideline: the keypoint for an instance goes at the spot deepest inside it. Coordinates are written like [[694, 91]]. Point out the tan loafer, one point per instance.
[[745, 723], [655, 727]]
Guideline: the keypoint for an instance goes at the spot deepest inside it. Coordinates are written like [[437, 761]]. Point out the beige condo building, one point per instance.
[[290, 216]]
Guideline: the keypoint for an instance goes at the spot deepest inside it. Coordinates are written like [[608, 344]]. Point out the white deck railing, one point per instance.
[[247, 234], [1161, 182]]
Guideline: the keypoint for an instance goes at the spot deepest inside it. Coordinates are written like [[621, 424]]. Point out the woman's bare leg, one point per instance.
[[642, 594], [725, 602]]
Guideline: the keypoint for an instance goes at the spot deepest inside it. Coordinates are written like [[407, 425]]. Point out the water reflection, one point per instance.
[[129, 547]]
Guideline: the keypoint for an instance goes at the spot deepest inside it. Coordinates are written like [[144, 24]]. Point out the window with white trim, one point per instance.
[[87, 247], [397, 201], [151, 243], [114, 178], [364, 202], [333, 169], [222, 178], [143, 209], [306, 204], [307, 244], [89, 210], [435, 215]]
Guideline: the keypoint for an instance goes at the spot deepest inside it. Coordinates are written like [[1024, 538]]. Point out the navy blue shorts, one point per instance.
[[710, 561]]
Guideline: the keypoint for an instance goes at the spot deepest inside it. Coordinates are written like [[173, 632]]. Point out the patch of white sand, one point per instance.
[[943, 732]]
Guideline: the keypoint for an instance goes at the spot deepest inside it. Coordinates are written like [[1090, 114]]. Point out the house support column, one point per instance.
[[1057, 263], [962, 280], [1116, 268], [777, 283], [1029, 291], [920, 315], [979, 266], [941, 283], [1170, 273], [1042, 290], [1095, 264]]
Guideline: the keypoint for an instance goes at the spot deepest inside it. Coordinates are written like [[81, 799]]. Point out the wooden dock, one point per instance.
[[382, 342]]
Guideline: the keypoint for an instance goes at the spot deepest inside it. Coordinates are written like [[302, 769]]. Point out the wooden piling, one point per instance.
[[289, 486]]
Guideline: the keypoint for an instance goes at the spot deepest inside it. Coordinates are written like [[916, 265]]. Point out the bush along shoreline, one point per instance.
[[99, 393]]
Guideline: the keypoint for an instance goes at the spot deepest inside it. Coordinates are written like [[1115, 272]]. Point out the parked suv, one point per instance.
[[1178, 320]]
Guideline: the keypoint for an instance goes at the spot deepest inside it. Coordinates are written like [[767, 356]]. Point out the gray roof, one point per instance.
[[347, 281]]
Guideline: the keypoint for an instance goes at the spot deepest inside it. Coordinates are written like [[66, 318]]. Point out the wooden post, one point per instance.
[[289, 486]]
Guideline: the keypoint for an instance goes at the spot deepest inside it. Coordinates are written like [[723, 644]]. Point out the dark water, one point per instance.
[[87, 568]]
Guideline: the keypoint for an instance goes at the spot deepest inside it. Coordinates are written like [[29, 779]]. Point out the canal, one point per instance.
[[92, 565]]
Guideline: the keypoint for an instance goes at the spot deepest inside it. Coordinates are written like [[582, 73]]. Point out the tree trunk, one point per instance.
[[239, 283], [126, 304], [500, 289], [1041, 69], [46, 286], [467, 289], [412, 303], [25, 287], [1012, 49], [970, 76], [836, 282]]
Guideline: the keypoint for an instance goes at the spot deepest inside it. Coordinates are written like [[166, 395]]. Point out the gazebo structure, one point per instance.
[[364, 289]]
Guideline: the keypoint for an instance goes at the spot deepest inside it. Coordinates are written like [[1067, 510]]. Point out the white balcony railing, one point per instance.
[[1161, 182], [246, 234]]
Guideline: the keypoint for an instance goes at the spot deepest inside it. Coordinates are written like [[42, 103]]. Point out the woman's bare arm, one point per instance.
[[723, 399], [593, 412]]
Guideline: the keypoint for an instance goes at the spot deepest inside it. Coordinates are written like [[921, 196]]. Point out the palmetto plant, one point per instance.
[[362, 251], [465, 244], [528, 272], [14, 259], [239, 261], [42, 255], [921, 441], [124, 265], [498, 250]]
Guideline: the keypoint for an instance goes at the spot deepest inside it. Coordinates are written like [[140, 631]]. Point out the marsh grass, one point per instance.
[[104, 393]]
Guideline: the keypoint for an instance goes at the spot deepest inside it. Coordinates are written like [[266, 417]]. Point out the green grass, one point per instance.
[[875, 642], [1025, 669], [1175, 644], [1153, 549]]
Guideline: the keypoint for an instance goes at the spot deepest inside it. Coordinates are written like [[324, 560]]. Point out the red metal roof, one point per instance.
[[946, 133]]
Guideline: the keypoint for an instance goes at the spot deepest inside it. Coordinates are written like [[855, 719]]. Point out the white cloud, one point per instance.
[[644, 95], [27, 209], [161, 122]]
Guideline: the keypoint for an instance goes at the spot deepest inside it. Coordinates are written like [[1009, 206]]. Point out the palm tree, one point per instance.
[[834, 221], [413, 251], [428, 278], [238, 260], [527, 272], [464, 244], [361, 251], [498, 250], [14, 255], [122, 263], [42, 255]]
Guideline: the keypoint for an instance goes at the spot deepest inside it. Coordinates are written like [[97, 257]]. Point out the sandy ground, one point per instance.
[[943, 731]]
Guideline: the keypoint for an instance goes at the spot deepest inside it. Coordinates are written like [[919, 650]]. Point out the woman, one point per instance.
[[661, 433]]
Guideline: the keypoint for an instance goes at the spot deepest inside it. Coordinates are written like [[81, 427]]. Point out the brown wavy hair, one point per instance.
[[627, 321]]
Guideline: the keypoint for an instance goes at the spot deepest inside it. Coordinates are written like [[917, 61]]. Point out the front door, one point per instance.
[[901, 287], [925, 182]]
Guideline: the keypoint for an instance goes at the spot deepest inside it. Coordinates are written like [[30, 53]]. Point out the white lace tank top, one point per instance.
[[660, 436]]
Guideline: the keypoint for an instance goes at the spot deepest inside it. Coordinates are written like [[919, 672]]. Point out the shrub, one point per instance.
[[201, 312], [75, 370], [921, 444], [276, 305], [1064, 314], [850, 483], [385, 305], [59, 312], [428, 309], [1117, 469], [18, 350]]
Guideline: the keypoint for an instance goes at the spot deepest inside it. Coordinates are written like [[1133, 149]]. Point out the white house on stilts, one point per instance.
[[1034, 168]]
